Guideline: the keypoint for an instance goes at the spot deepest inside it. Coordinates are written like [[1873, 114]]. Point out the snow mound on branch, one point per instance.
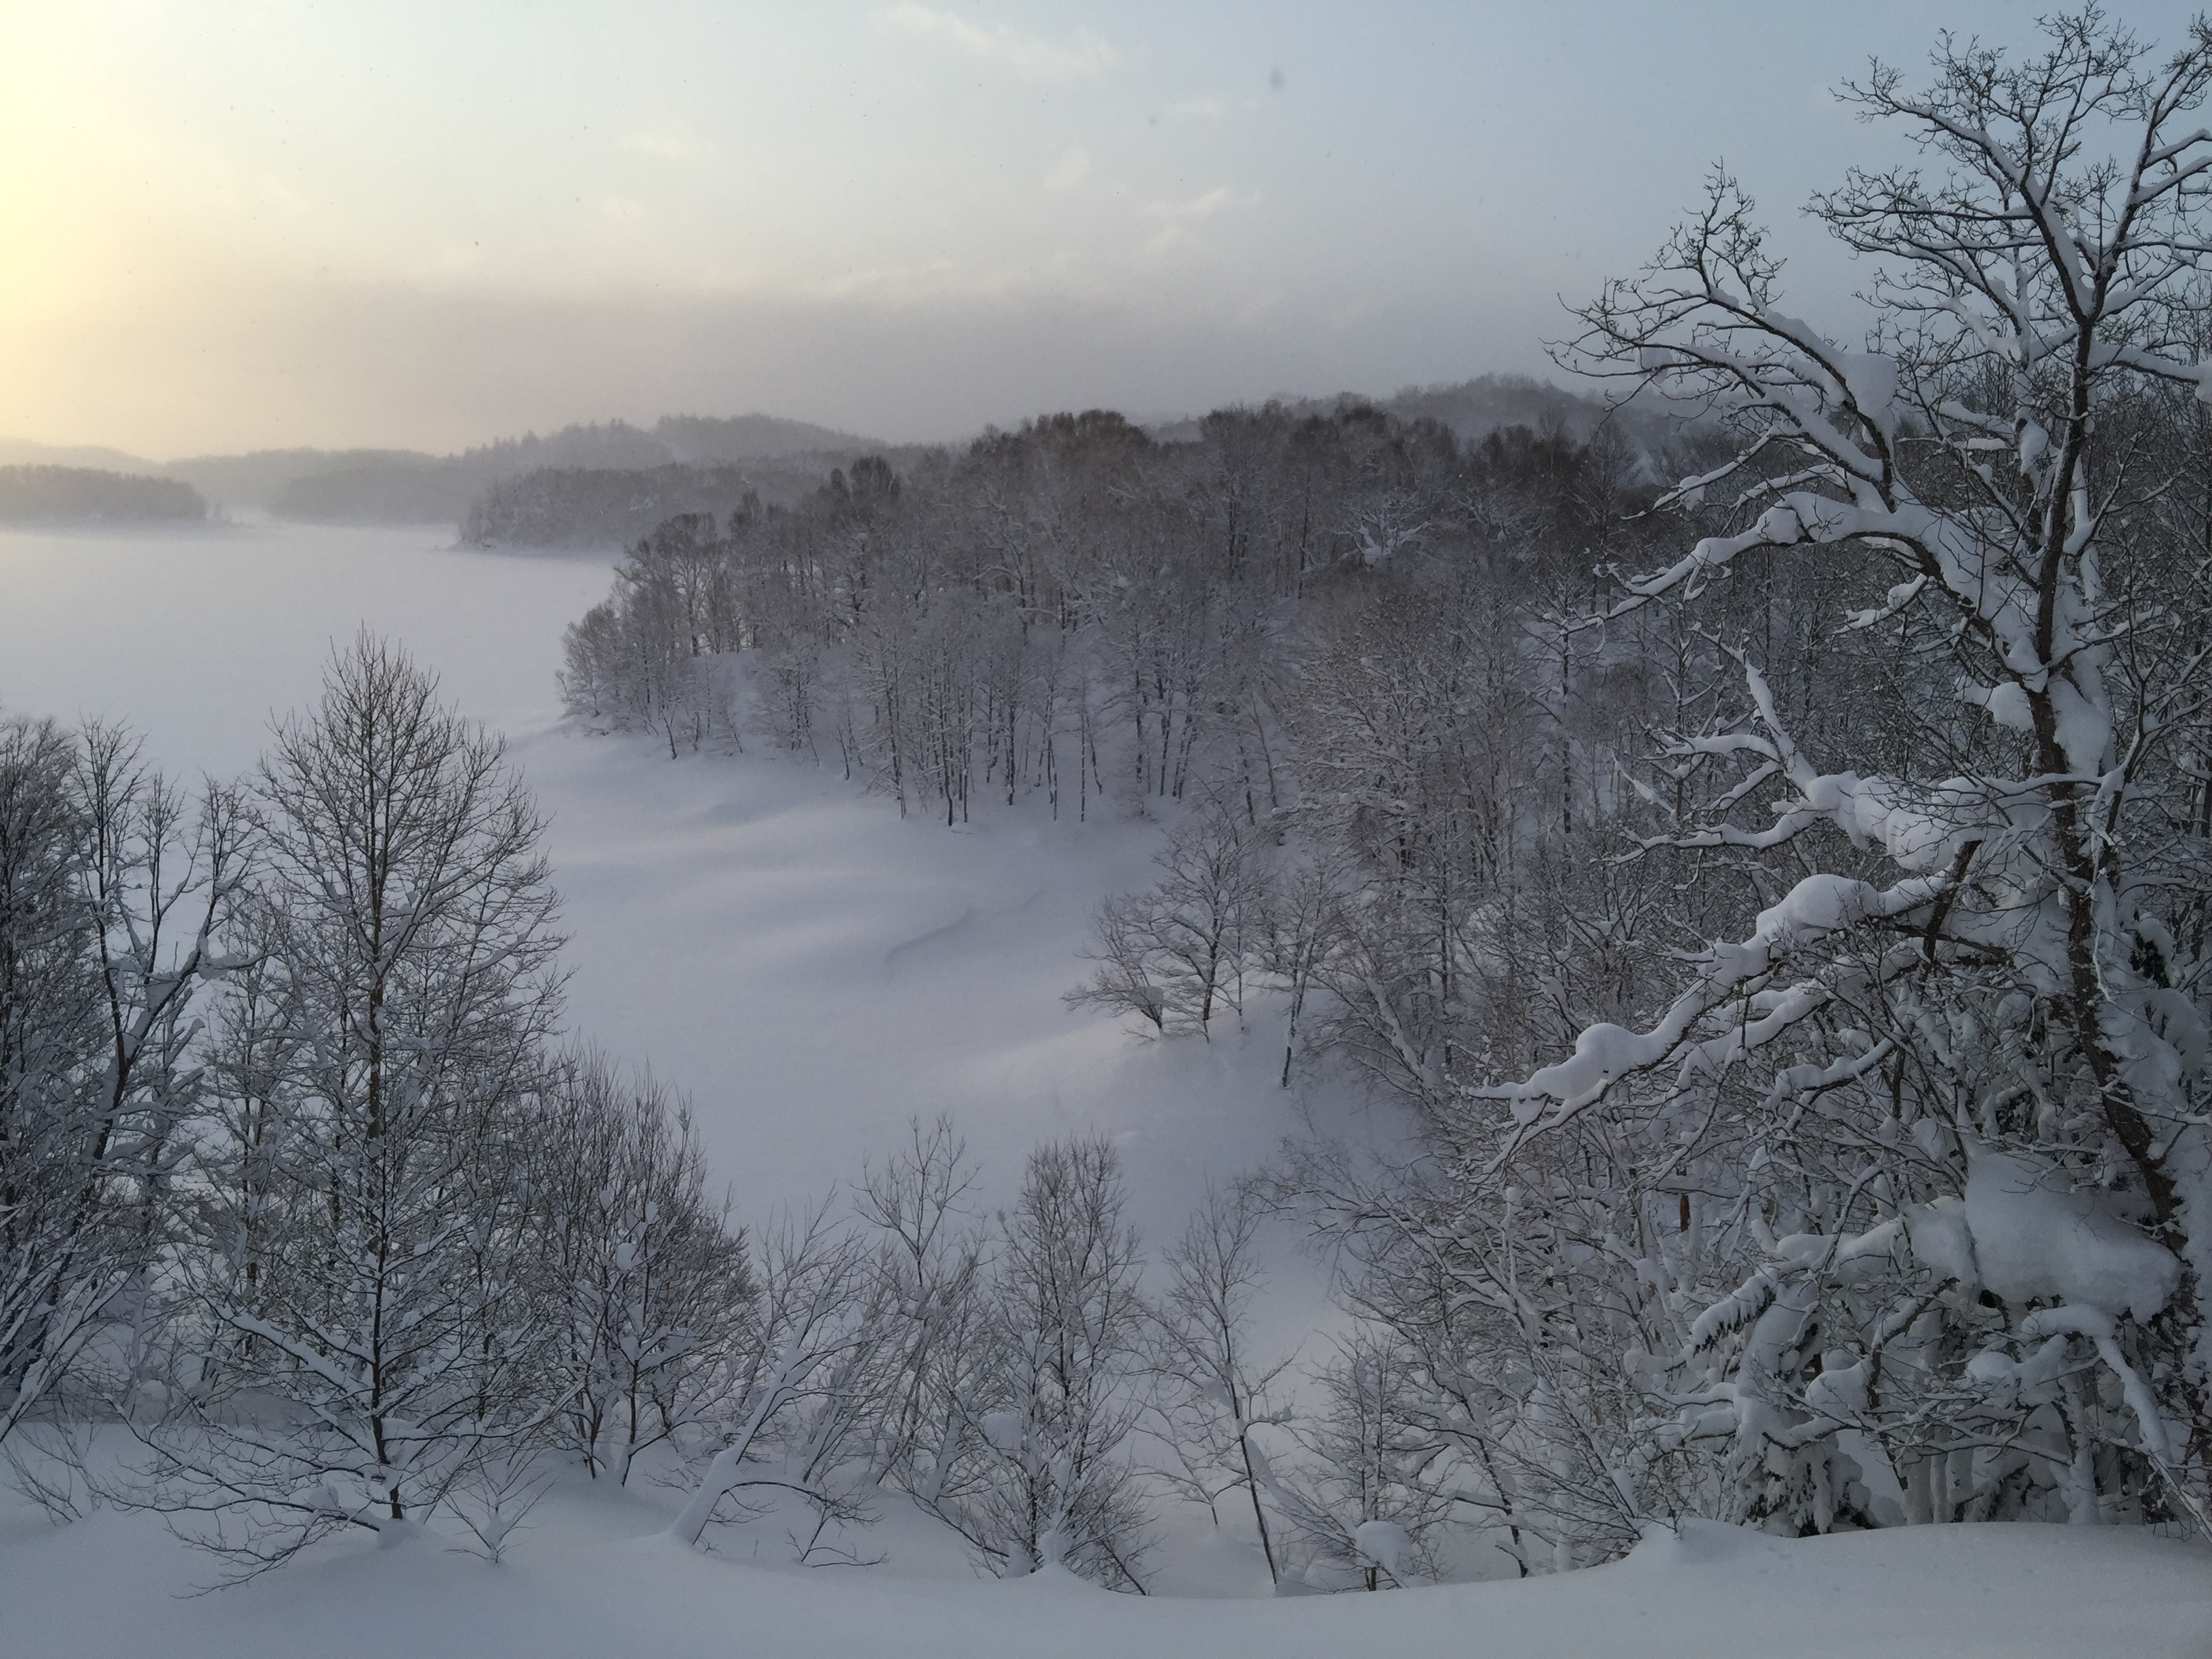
[[1818, 904], [1940, 1238], [1871, 379], [1385, 1544], [2035, 1240]]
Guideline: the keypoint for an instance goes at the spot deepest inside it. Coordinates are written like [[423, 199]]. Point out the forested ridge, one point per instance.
[[493, 490], [404, 486], [609, 507], [65, 493]]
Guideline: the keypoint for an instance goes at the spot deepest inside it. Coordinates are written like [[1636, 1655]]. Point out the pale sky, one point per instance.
[[429, 225]]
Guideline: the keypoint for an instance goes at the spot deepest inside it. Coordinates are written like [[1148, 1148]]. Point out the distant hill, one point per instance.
[[1475, 409], [779, 459], [611, 506], [21, 451], [83, 494], [381, 488], [751, 438], [401, 487], [405, 486]]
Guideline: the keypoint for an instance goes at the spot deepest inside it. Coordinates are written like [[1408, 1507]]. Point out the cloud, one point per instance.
[[239, 362], [1073, 167], [1084, 59], [620, 208], [1212, 109], [1191, 211], [1177, 220], [663, 142], [898, 284], [456, 259], [276, 194]]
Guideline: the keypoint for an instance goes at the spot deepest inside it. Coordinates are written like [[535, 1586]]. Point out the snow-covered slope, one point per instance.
[[813, 971], [117, 1585]]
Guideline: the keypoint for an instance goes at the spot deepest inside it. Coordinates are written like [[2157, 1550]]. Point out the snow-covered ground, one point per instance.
[[586, 1587], [813, 971]]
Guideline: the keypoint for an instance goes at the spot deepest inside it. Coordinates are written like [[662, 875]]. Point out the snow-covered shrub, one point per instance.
[[1050, 1480], [931, 1266], [798, 1383], [1177, 953], [1210, 1394], [635, 1275]]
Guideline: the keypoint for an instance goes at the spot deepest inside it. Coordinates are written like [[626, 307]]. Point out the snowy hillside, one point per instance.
[[813, 972], [1959, 1593]]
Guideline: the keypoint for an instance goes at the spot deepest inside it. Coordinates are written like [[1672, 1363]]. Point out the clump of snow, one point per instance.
[[2035, 1240], [1940, 1238], [1871, 377], [1672, 1546], [2023, 1232], [2006, 704], [1385, 1544]]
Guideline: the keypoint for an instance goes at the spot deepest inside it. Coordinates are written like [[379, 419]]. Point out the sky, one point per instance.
[[428, 225]]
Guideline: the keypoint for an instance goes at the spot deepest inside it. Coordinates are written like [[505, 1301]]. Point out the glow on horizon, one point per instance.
[[267, 224]]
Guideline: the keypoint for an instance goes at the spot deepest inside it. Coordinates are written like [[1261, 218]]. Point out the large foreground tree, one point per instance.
[[1901, 1209]]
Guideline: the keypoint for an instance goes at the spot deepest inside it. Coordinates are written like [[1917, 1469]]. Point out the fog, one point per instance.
[[232, 228]]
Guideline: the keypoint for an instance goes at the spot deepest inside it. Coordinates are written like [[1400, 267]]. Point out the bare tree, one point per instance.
[[932, 1261], [353, 1234], [111, 884], [1962, 1018], [1177, 953], [797, 1381], [1371, 1512], [49, 1050], [1213, 1393], [1067, 1322], [643, 1286]]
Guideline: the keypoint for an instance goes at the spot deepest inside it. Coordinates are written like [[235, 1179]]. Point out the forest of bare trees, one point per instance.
[[1781, 891], [1770, 869]]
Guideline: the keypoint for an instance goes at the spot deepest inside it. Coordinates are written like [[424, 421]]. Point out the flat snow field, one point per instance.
[[813, 972]]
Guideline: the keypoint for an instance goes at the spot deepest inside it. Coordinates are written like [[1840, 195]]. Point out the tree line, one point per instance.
[[68, 493]]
